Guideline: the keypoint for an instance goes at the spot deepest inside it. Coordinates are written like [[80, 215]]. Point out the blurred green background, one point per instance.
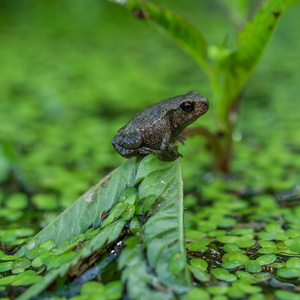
[[73, 72]]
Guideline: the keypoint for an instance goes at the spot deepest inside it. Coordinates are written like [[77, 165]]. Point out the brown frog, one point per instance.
[[156, 127]]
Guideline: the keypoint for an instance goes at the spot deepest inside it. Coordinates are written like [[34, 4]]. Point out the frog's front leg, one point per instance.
[[168, 152]]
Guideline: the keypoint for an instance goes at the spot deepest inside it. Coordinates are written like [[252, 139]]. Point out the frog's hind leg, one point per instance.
[[127, 153]]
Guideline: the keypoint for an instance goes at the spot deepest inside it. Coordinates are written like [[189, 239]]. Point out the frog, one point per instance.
[[155, 128]]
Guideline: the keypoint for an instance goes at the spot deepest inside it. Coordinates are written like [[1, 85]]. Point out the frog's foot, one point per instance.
[[170, 154], [146, 150], [181, 138]]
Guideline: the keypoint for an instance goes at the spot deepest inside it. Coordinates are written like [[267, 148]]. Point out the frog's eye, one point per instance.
[[187, 106]]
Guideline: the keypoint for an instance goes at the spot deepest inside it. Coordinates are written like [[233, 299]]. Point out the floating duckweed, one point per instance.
[[268, 250], [230, 265], [135, 226], [199, 274], [195, 246], [266, 259], [198, 294], [293, 262], [64, 245], [227, 239], [238, 257], [274, 228], [269, 236], [18, 270], [292, 233], [246, 287], [235, 293], [32, 254], [285, 295], [17, 201], [231, 248], [127, 192], [218, 232], [45, 202], [77, 239], [17, 242], [225, 222], [199, 263], [242, 231], [37, 262], [253, 266], [9, 257], [217, 290], [96, 290], [7, 280], [264, 244], [195, 234], [245, 275], [5, 266], [128, 214], [47, 245], [288, 273], [21, 263], [220, 297], [257, 297], [223, 274], [26, 280], [245, 242], [207, 225], [294, 245]]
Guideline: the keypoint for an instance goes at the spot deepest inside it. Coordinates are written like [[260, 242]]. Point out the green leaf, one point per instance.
[[162, 235], [223, 274], [250, 45], [174, 25], [159, 241], [177, 263], [288, 273], [286, 295], [199, 263], [253, 266], [199, 274], [86, 210], [293, 262], [266, 259], [5, 266]]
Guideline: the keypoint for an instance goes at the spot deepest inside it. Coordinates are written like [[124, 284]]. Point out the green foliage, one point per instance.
[[228, 69], [62, 101], [65, 246]]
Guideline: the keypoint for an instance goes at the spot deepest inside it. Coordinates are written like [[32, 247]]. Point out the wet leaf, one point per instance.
[[266, 259], [5, 266], [253, 266], [293, 262], [199, 274], [177, 263], [288, 273], [26, 280], [7, 280], [87, 208], [198, 293], [21, 263], [223, 274], [199, 263]]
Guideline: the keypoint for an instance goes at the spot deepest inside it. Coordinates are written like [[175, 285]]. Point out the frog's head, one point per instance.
[[189, 108]]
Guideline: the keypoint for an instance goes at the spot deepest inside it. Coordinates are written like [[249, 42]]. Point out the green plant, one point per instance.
[[227, 68]]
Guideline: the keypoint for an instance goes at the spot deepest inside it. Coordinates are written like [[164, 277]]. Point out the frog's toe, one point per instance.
[[181, 138]]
